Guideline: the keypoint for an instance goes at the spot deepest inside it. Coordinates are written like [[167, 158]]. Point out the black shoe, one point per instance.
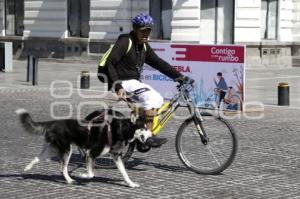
[[141, 147], [155, 141]]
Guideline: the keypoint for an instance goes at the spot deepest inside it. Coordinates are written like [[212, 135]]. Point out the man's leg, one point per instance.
[[221, 98], [149, 116], [152, 141], [151, 101], [222, 95]]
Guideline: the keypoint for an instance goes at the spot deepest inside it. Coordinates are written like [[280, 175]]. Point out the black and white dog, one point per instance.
[[95, 140]]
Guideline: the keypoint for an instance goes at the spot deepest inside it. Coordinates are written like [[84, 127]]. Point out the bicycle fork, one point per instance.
[[197, 120]]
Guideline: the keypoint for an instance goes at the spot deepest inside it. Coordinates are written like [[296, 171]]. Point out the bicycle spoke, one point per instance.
[[210, 150], [212, 158]]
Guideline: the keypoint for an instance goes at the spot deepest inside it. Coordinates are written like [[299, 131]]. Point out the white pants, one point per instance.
[[149, 99]]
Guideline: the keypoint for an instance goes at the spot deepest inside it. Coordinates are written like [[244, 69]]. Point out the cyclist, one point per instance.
[[221, 86], [125, 68]]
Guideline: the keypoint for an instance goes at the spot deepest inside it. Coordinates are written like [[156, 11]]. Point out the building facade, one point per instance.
[[270, 29]]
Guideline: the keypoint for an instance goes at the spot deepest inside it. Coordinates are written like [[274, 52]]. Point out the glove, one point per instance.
[[185, 80]]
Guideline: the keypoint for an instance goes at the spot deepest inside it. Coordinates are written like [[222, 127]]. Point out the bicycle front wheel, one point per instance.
[[216, 155]]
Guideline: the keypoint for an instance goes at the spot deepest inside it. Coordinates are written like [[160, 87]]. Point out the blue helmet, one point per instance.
[[142, 20]]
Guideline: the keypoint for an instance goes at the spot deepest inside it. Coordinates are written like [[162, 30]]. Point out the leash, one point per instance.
[[129, 103], [90, 125]]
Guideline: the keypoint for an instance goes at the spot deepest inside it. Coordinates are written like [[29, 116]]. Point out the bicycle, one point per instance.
[[212, 101], [199, 133], [232, 100]]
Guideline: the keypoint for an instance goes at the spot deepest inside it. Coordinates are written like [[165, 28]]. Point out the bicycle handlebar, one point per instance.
[[184, 80], [185, 83]]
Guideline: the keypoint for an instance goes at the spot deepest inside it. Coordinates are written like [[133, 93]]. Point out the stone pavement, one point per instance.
[[267, 164]]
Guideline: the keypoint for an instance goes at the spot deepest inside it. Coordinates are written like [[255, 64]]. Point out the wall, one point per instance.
[[264, 53], [45, 18], [296, 21], [285, 20], [296, 33], [247, 21], [186, 21], [109, 18]]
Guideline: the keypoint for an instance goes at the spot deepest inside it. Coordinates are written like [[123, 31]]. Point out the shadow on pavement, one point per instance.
[[138, 161], [78, 161], [60, 179], [52, 178]]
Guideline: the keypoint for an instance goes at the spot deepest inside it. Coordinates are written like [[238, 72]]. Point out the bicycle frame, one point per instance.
[[182, 99], [166, 111]]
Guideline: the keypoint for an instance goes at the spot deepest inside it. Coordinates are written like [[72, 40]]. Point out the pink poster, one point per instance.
[[219, 71]]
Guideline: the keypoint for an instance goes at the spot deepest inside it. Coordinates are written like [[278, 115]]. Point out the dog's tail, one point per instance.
[[28, 124]]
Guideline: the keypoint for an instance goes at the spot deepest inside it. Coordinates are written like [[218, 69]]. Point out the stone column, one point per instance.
[[247, 21], [296, 30], [285, 20], [186, 21], [2, 18]]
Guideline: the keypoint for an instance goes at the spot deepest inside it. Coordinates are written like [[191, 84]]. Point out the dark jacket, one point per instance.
[[125, 66], [221, 84]]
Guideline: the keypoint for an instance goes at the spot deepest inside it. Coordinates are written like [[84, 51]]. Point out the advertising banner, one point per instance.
[[219, 72]]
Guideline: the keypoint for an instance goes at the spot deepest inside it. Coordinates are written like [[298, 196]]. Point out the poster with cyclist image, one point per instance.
[[219, 71]]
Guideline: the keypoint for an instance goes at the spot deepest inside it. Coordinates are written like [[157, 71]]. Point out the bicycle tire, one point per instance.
[[191, 150]]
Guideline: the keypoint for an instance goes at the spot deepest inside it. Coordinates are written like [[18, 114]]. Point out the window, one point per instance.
[[161, 11], [216, 21], [78, 18], [14, 17], [269, 17]]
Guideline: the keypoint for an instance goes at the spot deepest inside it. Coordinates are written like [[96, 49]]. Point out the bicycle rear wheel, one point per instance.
[[106, 162], [214, 157]]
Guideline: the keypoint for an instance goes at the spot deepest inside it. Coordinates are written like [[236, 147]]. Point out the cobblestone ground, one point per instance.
[[267, 164]]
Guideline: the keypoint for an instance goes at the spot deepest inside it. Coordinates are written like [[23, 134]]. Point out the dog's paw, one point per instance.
[[27, 168], [86, 175], [73, 182], [133, 185]]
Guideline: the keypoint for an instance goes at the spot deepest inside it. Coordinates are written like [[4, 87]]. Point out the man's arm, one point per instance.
[[118, 51], [156, 62], [216, 83]]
